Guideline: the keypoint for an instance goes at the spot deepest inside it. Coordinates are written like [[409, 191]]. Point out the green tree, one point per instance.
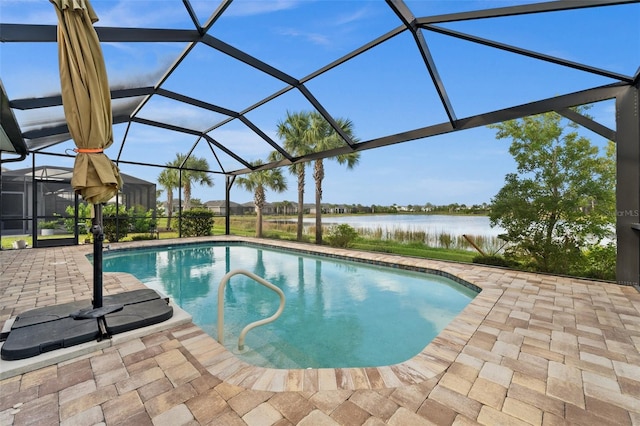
[[168, 179], [323, 137], [287, 206], [257, 182], [277, 206], [562, 198], [194, 170], [197, 203], [294, 129]]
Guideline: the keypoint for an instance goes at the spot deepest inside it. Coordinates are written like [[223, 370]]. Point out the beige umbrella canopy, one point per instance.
[[87, 107], [86, 100]]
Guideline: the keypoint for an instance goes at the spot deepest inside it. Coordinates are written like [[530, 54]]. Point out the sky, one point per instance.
[[384, 91]]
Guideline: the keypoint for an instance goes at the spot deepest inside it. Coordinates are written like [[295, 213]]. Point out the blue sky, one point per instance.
[[384, 91]]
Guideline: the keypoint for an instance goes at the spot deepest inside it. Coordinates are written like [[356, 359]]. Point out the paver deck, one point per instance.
[[531, 349]]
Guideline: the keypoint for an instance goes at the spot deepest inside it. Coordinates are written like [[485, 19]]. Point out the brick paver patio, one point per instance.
[[529, 350]]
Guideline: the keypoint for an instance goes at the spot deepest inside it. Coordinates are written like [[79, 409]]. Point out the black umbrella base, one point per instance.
[[46, 329]]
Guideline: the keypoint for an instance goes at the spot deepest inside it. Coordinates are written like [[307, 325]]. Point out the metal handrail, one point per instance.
[[221, 287]]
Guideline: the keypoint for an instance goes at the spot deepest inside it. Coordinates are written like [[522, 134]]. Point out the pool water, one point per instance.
[[338, 313]]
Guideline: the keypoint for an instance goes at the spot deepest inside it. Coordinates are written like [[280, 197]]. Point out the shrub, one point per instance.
[[341, 236], [495, 260], [141, 219], [142, 237], [84, 219], [600, 262], [196, 222], [49, 224], [115, 225]]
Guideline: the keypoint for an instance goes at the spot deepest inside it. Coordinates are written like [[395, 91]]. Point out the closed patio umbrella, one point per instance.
[[86, 101]]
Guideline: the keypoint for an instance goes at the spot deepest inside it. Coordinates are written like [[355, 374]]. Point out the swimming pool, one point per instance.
[[338, 313]]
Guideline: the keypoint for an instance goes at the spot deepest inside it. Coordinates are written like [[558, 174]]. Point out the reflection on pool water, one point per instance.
[[338, 313]]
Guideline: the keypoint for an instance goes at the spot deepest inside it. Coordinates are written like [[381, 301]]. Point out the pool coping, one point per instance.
[[432, 361]]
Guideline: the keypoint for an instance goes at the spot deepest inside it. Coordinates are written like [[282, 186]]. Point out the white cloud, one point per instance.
[[438, 317], [138, 14], [28, 12], [315, 38], [350, 18], [320, 39]]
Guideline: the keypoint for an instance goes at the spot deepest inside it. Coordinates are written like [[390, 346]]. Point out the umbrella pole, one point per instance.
[[98, 238], [98, 311]]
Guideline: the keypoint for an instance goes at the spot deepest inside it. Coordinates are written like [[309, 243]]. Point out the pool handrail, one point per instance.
[[260, 280]]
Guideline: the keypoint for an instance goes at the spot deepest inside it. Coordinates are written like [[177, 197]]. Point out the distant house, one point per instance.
[[165, 207], [250, 208], [331, 209], [339, 209], [219, 207]]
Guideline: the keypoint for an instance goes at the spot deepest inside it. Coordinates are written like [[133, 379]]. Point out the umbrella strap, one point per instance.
[[88, 150]]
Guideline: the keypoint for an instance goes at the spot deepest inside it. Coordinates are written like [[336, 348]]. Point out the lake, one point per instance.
[[433, 229], [455, 225]]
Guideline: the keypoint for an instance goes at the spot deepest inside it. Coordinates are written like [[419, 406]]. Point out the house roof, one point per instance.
[[220, 203], [64, 174]]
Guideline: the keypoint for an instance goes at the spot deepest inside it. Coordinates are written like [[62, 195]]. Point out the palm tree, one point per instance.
[[324, 137], [194, 170], [257, 182], [168, 179], [286, 205], [294, 130]]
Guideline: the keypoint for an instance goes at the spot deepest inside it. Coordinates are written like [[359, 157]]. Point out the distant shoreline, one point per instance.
[[294, 215]]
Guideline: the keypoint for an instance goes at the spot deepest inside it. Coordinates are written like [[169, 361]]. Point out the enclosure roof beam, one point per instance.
[[196, 102], [264, 136], [61, 128], [227, 151], [407, 18], [588, 123], [557, 103], [355, 53], [529, 53], [10, 135], [551, 6], [322, 70], [325, 114], [48, 34], [190, 132], [56, 100], [252, 61]]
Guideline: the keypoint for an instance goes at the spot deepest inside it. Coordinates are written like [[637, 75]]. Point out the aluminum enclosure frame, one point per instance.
[[625, 92], [628, 186]]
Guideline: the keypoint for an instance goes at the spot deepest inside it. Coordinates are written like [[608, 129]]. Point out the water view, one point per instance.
[[455, 225], [445, 231]]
